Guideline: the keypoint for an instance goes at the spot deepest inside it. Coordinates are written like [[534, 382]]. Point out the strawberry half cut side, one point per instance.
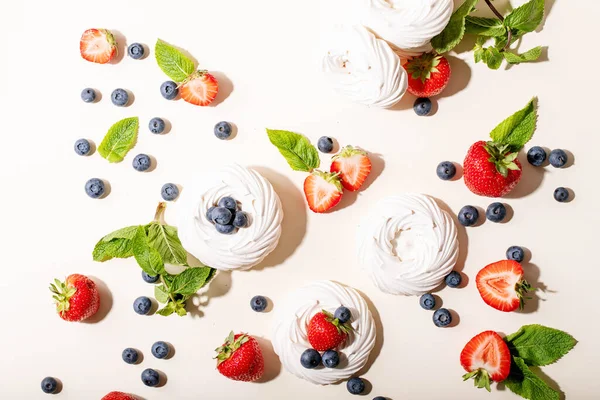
[[353, 166], [200, 88], [98, 46], [501, 285], [323, 191], [486, 358]]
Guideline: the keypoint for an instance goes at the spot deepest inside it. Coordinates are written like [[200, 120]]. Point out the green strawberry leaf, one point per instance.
[[539, 345], [517, 129], [147, 256], [525, 18], [455, 30], [161, 294], [300, 154], [528, 56], [119, 139], [523, 382], [164, 239], [173, 62], [484, 26], [191, 280]]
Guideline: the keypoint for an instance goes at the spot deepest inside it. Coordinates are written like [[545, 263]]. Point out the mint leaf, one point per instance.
[[484, 26], [526, 384], [455, 30], [161, 294], [146, 256], [180, 308], [164, 239], [525, 18], [517, 129], [191, 280], [479, 50], [119, 139], [539, 345], [116, 244], [173, 62], [300, 154], [530, 55], [123, 233], [167, 310], [492, 57]]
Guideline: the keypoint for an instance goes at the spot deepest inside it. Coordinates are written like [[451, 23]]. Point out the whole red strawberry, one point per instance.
[[428, 75], [76, 298], [240, 358], [325, 332], [486, 358], [490, 169], [118, 396]]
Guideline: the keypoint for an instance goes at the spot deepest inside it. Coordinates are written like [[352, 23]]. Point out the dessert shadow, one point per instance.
[[379, 338], [272, 362], [349, 198]]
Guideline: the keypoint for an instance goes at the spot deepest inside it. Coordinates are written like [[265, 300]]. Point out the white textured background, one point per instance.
[[269, 52]]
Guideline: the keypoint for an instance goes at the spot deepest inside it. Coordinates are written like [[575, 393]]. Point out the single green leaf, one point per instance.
[[164, 239], [530, 55], [526, 17], [119, 139], [168, 309], [180, 310], [191, 280], [173, 62], [492, 57], [517, 129], [147, 256], [484, 26], [123, 233], [161, 294], [526, 384], [116, 248], [300, 154], [539, 345], [478, 50], [455, 30]]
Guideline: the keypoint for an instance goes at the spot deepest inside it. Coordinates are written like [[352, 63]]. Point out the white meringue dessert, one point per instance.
[[409, 25], [290, 331], [248, 246], [365, 69], [407, 244]]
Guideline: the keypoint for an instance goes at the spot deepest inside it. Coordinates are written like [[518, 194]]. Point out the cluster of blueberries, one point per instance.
[[558, 158], [226, 216], [441, 317], [311, 358]]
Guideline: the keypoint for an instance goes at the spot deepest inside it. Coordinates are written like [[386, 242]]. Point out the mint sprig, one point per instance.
[[297, 150], [523, 382], [173, 62], [119, 139], [453, 33], [539, 345]]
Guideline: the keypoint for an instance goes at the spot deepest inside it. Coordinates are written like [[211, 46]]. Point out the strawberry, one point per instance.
[[428, 75], [501, 285], [118, 396], [325, 332], [486, 358], [240, 358], [323, 191], [98, 46], [199, 89], [490, 169], [353, 167], [77, 298]]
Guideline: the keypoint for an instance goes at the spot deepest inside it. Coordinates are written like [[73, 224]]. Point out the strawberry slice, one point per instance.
[[486, 358], [199, 89], [501, 285], [353, 165], [98, 46], [323, 191]]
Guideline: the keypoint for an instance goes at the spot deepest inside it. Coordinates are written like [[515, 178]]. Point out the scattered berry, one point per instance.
[[82, 147], [501, 285], [97, 45], [95, 188], [422, 106], [169, 191], [258, 303], [201, 89], [223, 130], [141, 162], [118, 396], [536, 156], [446, 170], [331, 359], [160, 349], [486, 358], [149, 278], [225, 229], [310, 359], [355, 386], [150, 377], [119, 97], [428, 75], [49, 385], [130, 356], [88, 95], [240, 220], [496, 212], [325, 144], [169, 90], [325, 332], [135, 51], [240, 358], [353, 166], [561, 194], [427, 301], [222, 215], [142, 305], [229, 203], [468, 216], [558, 158], [453, 279], [343, 314], [442, 318], [491, 170], [156, 125], [76, 298], [322, 190], [515, 253], [209, 214]]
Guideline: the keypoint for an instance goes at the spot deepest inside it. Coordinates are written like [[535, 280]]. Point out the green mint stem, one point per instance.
[[160, 209], [165, 282], [501, 18]]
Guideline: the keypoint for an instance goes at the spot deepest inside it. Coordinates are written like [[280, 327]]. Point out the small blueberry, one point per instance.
[[88, 95], [496, 212], [422, 106], [169, 191], [169, 90], [95, 188], [156, 125], [135, 51], [82, 147], [119, 97], [325, 144]]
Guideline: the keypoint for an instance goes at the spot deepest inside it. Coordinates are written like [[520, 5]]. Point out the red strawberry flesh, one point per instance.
[[200, 89], [98, 46], [486, 358], [323, 191], [501, 285], [353, 166]]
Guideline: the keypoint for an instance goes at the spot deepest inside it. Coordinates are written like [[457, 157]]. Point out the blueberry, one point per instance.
[[468, 216], [88, 95], [142, 305], [169, 191], [445, 170], [240, 220], [228, 202], [225, 229], [427, 301], [156, 125], [325, 144], [536, 156], [169, 90], [222, 215], [442, 318], [49, 385], [379, 398], [160, 349], [223, 130], [130, 356], [149, 278], [558, 158], [82, 147], [209, 215], [422, 106], [95, 188], [515, 253], [355, 386], [561, 194], [343, 314], [135, 51], [141, 162], [496, 212], [258, 303], [331, 359], [310, 359], [119, 97], [453, 279], [150, 377]]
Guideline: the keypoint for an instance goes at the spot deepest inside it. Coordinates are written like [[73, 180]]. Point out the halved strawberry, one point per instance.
[[98, 46], [199, 89], [323, 191], [486, 358], [353, 165], [501, 285]]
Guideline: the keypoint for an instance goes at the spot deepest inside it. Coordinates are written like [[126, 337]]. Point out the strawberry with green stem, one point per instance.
[[325, 332], [486, 358], [502, 286], [76, 298], [428, 75], [240, 358]]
